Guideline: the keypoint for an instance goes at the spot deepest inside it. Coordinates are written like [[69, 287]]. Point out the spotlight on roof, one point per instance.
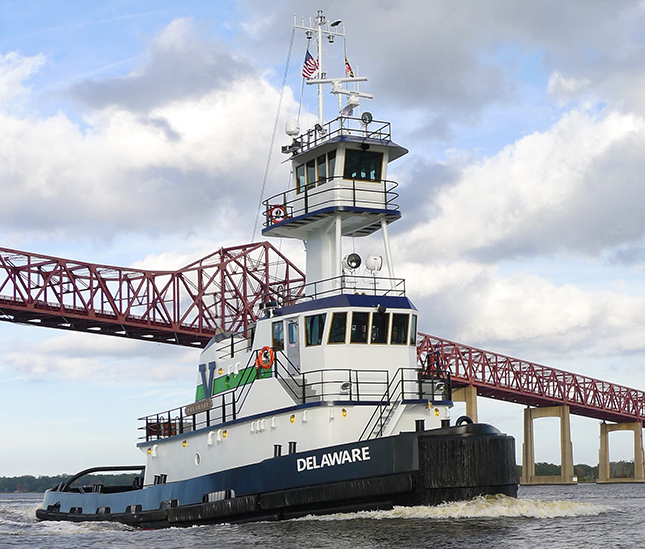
[[352, 261], [374, 263]]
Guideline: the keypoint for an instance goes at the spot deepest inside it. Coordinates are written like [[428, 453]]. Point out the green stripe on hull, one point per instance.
[[232, 381]]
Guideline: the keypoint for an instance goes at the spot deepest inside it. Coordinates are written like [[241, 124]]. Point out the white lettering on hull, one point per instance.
[[332, 459]]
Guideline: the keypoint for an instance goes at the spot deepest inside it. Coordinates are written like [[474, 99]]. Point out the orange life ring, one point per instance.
[[277, 213], [265, 358]]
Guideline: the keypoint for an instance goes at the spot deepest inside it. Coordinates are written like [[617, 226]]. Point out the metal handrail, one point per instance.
[[338, 285], [324, 192], [343, 125], [173, 422], [64, 486], [314, 386], [398, 390], [232, 345], [343, 384]]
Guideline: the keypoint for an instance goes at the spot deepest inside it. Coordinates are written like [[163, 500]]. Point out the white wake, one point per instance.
[[480, 507]]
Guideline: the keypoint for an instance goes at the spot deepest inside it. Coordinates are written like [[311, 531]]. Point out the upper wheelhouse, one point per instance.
[[338, 168]]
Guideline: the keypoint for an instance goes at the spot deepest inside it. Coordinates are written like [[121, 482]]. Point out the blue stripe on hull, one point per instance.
[[384, 457]]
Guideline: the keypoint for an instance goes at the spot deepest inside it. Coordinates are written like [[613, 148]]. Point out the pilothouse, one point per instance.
[[325, 404]]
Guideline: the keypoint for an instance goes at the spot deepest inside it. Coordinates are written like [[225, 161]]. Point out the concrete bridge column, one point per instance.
[[528, 447], [469, 396], [604, 474]]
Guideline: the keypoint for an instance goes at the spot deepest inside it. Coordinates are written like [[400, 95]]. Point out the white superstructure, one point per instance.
[[336, 361]]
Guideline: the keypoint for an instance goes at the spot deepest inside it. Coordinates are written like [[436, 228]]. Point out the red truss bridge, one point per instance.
[[221, 291], [515, 380], [225, 291]]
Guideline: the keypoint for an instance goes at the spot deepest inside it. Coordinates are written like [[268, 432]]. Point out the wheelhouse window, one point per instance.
[[413, 330], [278, 335], [399, 329], [322, 169], [331, 159], [359, 327], [363, 165], [338, 329], [300, 178], [314, 327], [380, 324], [311, 173]]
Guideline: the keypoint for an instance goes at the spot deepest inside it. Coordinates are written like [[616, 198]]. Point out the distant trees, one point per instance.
[[621, 469], [584, 472], [28, 483]]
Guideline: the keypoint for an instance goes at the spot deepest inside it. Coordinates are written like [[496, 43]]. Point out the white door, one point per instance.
[[293, 346]]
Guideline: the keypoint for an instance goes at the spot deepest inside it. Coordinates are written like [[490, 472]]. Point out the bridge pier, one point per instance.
[[469, 396], [604, 474], [528, 447]]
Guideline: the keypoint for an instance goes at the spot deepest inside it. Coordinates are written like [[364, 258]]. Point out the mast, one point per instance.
[[341, 186], [323, 29]]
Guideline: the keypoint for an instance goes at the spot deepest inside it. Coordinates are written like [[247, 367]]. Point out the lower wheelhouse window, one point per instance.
[[380, 322], [399, 329], [338, 328], [278, 336], [314, 327], [413, 331], [359, 327]]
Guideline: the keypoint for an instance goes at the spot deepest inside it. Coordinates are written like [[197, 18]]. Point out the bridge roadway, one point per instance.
[[222, 292]]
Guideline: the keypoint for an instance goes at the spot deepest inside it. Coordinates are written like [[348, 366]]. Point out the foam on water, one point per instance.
[[18, 516], [480, 507]]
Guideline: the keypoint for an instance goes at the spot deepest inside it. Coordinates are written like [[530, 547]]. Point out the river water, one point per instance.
[[584, 516]]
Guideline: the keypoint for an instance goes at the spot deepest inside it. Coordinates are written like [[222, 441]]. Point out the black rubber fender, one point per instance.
[[463, 419]]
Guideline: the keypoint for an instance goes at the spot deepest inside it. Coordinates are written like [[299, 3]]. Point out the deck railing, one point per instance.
[[368, 387], [341, 126], [338, 285], [330, 192], [430, 383]]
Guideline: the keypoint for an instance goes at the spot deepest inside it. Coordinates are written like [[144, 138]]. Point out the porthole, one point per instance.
[[198, 459]]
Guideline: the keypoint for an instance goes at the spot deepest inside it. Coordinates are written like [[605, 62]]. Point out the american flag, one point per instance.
[[310, 67]]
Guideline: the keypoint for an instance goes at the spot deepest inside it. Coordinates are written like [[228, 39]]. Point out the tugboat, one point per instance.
[[323, 405]]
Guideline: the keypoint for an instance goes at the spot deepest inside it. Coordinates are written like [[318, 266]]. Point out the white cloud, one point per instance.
[[472, 303], [564, 90], [183, 62], [14, 69], [549, 191], [177, 164], [88, 357]]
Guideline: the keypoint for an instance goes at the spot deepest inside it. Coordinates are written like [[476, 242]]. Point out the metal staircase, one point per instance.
[[408, 386], [295, 385]]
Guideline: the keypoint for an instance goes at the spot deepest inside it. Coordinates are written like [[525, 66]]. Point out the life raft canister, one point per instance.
[[277, 213], [265, 358]]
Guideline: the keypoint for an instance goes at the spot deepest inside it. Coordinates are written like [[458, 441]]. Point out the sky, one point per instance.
[[138, 134]]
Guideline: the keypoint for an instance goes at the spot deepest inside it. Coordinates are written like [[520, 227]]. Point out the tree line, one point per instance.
[[28, 483], [584, 472]]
